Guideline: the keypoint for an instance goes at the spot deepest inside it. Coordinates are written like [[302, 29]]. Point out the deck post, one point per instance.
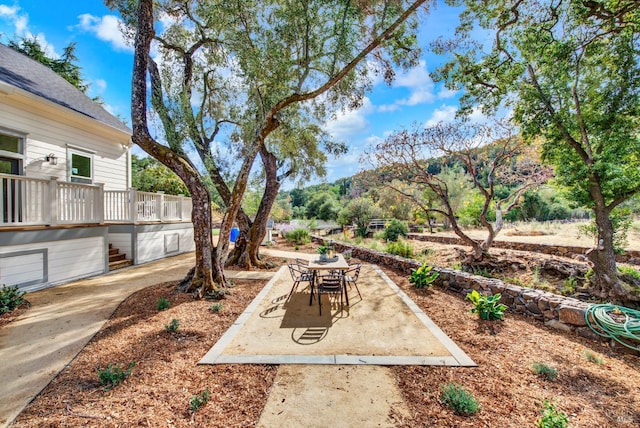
[[53, 201]]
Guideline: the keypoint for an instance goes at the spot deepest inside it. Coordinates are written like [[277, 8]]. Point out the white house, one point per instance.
[[65, 179]]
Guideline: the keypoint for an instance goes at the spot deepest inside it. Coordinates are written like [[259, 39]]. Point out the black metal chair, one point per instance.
[[298, 274], [330, 285], [351, 276]]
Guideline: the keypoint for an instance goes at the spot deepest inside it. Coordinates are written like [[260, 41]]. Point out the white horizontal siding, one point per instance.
[[151, 245], [67, 259], [22, 268], [47, 133]]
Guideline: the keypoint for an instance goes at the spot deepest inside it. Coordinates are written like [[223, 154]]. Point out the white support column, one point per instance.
[[133, 205], [160, 207], [99, 203], [53, 201]]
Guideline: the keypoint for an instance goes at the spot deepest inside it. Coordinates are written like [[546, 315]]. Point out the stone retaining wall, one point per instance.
[[631, 257], [559, 312]]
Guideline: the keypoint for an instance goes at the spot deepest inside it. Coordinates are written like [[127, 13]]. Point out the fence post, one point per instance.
[[99, 203], [53, 201], [160, 207], [133, 205]]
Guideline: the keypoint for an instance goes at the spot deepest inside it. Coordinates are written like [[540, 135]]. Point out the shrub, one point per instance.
[[199, 400], [298, 236], [173, 326], [114, 374], [400, 248], [544, 371], [216, 307], [395, 229], [487, 307], [552, 417], [424, 276], [162, 304], [458, 399], [10, 298]]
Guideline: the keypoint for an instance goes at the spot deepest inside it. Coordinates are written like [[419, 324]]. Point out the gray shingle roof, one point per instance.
[[22, 72]]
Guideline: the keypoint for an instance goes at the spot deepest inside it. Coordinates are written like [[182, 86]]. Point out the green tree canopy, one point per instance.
[[569, 70], [65, 66]]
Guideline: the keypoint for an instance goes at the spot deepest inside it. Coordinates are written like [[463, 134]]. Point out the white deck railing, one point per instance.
[[31, 202]]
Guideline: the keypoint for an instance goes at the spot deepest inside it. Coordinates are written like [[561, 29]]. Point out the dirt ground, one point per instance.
[[594, 387]]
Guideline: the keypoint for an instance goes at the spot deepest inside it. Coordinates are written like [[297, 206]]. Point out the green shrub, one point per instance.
[[114, 374], [298, 236], [400, 248], [424, 276], [216, 307], [487, 307], [552, 417], [10, 298], [544, 371], [199, 400], [395, 229], [162, 304], [458, 399], [173, 326], [633, 273]]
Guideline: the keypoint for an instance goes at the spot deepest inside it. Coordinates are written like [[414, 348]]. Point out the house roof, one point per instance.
[[29, 75]]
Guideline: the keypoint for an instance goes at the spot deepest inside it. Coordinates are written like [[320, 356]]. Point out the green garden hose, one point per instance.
[[625, 323]]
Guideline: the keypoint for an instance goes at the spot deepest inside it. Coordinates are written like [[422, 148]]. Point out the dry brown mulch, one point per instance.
[[166, 375]]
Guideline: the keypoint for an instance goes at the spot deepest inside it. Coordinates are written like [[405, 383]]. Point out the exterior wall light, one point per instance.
[[52, 159]]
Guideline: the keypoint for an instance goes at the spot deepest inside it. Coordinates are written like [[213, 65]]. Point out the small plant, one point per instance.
[[173, 326], [569, 285], [400, 248], [544, 371], [487, 307], [114, 375], [199, 400], [458, 399], [633, 273], [323, 250], [456, 266], [552, 417], [298, 236], [216, 307], [162, 304], [395, 229], [593, 358], [482, 271], [10, 298], [424, 276]]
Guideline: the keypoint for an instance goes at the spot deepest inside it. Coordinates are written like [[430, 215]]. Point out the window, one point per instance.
[[11, 152], [81, 167]]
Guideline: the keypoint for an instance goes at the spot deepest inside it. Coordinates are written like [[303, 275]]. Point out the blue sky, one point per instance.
[[106, 63]]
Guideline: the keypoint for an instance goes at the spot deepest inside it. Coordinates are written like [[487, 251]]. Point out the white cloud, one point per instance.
[[443, 114], [106, 28], [99, 85], [350, 122], [12, 15], [419, 83]]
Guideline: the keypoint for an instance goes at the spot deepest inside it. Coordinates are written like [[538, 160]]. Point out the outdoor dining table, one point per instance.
[[316, 266]]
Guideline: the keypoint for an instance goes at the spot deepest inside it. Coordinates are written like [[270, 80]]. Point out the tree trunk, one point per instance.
[[248, 253], [206, 274], [605, 282]]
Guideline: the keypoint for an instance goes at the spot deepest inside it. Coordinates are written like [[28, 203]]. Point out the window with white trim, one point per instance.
[[11, 152], [80, 166]]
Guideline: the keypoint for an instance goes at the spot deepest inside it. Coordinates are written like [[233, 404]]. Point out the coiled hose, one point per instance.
[[624, 324]]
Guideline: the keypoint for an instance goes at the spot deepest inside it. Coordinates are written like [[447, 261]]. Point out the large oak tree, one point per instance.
[[569, 70]]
